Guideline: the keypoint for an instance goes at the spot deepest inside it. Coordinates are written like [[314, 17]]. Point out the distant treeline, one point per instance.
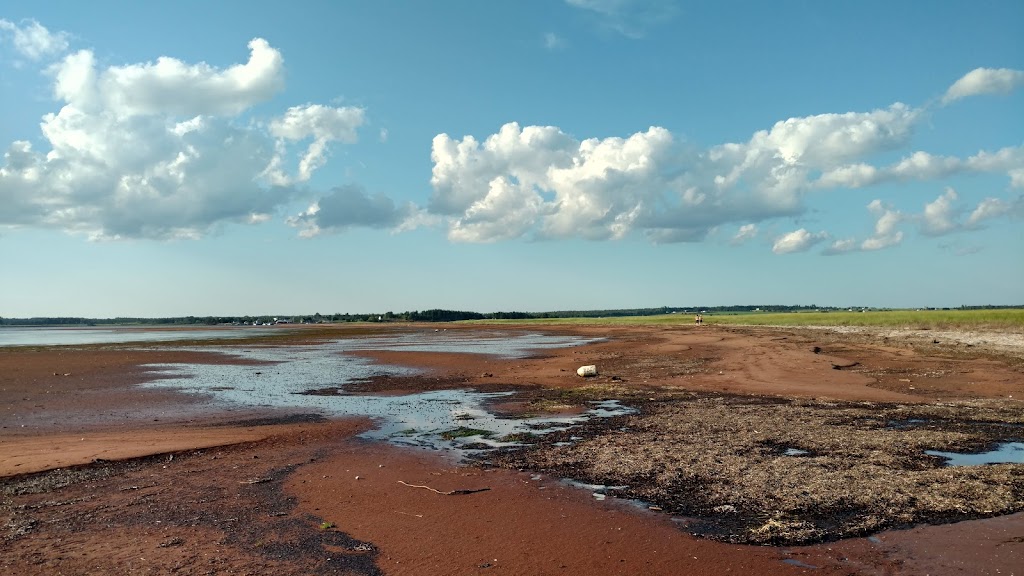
[[439, 315]]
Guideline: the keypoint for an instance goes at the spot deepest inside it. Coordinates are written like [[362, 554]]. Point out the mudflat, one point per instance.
[[750, 451]]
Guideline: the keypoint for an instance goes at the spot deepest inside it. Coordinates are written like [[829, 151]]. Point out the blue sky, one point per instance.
[[189, 158]]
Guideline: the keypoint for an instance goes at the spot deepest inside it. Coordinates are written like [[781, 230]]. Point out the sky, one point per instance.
[[232, 158]]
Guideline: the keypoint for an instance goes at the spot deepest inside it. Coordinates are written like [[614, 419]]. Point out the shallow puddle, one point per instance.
[[908, 423], [444, 419], [799, 564], [50, 336], [1005, 453], [601, 491], [493, 343]]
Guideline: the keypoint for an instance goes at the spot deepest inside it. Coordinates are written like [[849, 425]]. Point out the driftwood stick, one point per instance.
[[449, 493]]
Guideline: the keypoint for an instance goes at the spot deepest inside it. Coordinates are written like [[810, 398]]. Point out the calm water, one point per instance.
[[479, 342], [1006, 453], [415, 419], [50, 336]]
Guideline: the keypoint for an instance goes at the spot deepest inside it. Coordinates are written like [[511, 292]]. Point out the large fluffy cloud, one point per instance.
[[984, 81], [464, 169], [828, 139], [539, 178], [539, 181], [160, 149], [170, 86]]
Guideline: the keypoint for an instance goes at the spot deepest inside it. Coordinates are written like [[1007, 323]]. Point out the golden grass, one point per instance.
[[999, 319], [1007, 318]]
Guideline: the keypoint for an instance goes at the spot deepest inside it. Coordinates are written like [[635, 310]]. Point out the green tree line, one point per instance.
[[432, 315]]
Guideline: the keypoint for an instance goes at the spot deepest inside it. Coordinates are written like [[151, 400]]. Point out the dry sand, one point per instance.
[[255, 493]]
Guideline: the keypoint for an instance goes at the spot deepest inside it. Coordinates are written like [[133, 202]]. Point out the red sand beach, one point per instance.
[[157, 482]]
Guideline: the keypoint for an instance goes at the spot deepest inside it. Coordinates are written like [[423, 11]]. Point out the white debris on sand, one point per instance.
[[1011, 343]]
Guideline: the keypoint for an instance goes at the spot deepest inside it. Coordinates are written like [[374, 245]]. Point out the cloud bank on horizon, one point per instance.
[[170, 149]]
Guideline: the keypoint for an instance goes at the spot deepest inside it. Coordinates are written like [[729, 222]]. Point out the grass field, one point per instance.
[[933, 319], [1003, 319]]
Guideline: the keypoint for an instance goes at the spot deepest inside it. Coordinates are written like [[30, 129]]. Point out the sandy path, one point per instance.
[[45, 452]]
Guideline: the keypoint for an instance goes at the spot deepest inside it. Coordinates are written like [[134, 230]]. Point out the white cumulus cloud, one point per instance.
[[827, 139], [746, 232], [33, 40], [939, 216], [320, 124], [158, 150], [842, 246], [347, 207], [921, 165], [170, 86], [504, 213], [540, 181], [984, 81], [797, 241], [943, 216], [775, 165], [990, 208], [850, 176], [886, 234]]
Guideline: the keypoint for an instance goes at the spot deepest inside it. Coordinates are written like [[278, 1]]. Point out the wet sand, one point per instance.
[[248, 492]]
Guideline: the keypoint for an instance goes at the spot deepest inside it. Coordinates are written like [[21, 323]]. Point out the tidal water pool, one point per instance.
[[284, 376], [476, 342], [1005, 453], [68, 336]]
